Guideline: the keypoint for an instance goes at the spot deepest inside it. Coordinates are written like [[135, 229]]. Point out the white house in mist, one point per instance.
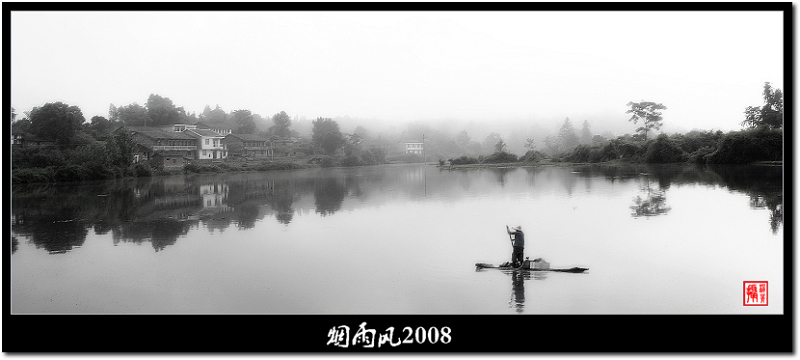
[[211, 146], [414, 147]]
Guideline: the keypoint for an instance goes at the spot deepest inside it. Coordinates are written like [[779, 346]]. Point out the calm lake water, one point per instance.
[[402, 239]]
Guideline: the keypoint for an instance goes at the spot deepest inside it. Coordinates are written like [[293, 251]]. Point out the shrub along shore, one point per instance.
[[760, 145]]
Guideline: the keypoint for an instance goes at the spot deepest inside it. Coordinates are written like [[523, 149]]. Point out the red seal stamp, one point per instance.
[[756, 293]]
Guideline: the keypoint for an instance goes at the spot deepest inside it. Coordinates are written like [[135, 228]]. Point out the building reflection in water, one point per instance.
[[214, 196]]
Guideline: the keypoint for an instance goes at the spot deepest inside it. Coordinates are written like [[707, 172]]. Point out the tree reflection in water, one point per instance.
[[58, 217], [772, 202], [764, 185], [502, 175], [55, 233], [281, 199], [328, 196], [653, 203]]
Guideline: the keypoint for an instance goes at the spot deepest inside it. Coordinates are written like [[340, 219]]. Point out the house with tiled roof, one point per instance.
[[246, 146], [179, 127], [26, 139], [221, 128], [163, 148], [209, 144]]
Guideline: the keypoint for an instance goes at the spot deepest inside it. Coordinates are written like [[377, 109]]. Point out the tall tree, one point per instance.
[[490, 142], [21, 126], [352, 144], [465, 143], [586, 133], [243, 122], [216, 116], [500, 146], [529, 144], [120, 148], [162, 111], [552, 144], [131, 115], [282, 123], [567, 138], [325, 135], [113, 113], [98, 126], [648, 113], [770, 114], [462, 139], [361, 132], [191, 118], [56, 121]]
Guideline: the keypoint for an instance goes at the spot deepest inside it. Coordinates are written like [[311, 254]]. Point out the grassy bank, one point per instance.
[[565, 164], [47, 169], [93, 171], [239, 166]]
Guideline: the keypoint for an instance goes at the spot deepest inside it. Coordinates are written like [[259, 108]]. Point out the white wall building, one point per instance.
[[414, 147], [210, 144]]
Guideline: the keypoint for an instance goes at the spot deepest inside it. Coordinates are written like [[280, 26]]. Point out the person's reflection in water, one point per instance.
[[517, 301], [518, 278]]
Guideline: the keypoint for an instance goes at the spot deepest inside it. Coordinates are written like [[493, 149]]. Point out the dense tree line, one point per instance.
[[109, 159], [94, 150], [709, 147], [761, 140]]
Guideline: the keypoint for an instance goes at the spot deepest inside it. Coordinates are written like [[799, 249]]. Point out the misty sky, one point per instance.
[[537, 67]]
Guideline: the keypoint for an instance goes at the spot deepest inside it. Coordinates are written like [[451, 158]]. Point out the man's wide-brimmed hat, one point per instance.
[[518, 228]]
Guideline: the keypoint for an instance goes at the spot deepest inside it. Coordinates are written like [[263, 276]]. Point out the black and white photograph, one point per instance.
[[401, 179]]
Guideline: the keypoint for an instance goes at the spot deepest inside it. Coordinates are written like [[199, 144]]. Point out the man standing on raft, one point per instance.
[[518, 243]]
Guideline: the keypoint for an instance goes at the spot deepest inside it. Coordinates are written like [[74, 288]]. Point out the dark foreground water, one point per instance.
[[402, 240]]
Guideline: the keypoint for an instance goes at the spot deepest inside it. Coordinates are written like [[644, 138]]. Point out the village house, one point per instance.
[[167, 160], [210, 144], [222, 129], [414, 147], [246, 146], [285, 147], [24, 139], [178, 127], [163, 148]]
